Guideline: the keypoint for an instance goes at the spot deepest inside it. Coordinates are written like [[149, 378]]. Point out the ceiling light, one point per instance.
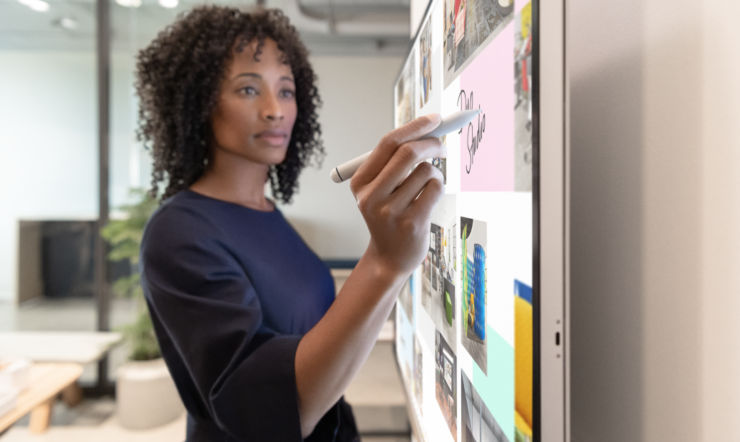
[[129, 3], [69, 23], [36, 5], [168, 3], [39, 5]]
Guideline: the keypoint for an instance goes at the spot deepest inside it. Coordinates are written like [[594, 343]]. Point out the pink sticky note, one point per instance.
[[487, 144]]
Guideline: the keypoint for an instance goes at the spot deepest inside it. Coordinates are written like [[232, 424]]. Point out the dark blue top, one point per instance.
[[231, 292]]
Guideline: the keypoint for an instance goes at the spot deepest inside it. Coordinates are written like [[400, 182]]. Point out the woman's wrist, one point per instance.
[[384, 271]]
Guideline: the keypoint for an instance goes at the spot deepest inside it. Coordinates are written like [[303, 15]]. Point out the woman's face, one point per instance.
[[256, 107]]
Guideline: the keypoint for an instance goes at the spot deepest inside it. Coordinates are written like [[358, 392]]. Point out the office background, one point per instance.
[[655, 214]]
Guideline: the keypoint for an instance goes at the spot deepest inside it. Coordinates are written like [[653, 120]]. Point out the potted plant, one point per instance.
[[146, 396]]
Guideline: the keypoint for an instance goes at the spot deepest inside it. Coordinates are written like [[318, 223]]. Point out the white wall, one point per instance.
[[417, 8], [720, 332], [48, 140], [358, 110], [48, 143], [655, 220]]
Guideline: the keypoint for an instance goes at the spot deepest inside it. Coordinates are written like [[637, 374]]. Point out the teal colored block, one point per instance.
[[497, 389]]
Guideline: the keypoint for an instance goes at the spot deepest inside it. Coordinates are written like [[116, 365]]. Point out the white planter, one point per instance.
[[146, 396]]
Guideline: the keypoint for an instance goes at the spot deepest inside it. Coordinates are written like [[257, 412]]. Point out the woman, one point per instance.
[[244, 312]]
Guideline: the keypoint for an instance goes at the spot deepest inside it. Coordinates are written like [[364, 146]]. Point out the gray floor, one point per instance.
[[376, 393]]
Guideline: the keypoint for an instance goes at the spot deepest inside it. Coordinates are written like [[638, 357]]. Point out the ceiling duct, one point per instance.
[[302, 22], [348, 27]]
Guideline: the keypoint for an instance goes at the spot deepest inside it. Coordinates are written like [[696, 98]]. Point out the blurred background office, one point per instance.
[[655, 176], [69, 113]]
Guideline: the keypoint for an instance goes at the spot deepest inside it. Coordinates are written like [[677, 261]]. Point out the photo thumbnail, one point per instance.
[[418, 386], [441, 163], [446, 385], [523, 360], [406, 297], [468, 26], [474, 290], [438, 282], [425, 63], [405, 109], [523, 107]]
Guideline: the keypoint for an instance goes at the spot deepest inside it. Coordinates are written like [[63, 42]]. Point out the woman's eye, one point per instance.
[[249, 90], [288, 93]]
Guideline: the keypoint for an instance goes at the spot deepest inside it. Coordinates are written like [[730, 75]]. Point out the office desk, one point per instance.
[[48, 380]]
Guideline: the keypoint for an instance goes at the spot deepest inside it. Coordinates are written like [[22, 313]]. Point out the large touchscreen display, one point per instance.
[[464, 335]]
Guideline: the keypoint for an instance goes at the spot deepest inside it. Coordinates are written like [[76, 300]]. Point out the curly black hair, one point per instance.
[[178, 79]]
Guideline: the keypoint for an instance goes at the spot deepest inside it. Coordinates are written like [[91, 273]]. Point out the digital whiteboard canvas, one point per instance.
[[481, 327]]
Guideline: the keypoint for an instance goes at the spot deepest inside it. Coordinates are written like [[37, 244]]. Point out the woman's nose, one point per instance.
[[271, 108]]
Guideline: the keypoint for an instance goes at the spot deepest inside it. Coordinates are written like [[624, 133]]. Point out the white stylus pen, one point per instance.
[[451, 123]]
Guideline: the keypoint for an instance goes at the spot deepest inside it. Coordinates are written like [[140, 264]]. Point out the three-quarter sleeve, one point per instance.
[[228, 366]]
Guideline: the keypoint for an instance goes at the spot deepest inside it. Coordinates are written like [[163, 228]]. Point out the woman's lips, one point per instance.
[[273, 137]]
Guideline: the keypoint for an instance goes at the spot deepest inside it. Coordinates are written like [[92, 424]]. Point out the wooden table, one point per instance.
[[48, 380], [58, 346]]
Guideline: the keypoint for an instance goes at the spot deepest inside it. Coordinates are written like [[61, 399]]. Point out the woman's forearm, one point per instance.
[[332, 352], [396, 199]]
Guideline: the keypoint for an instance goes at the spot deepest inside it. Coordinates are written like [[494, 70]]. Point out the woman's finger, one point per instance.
[[422, 206], [388, 146], [412, 186], [407, 156]]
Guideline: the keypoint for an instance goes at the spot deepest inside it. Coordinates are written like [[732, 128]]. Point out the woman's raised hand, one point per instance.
[[397, 205]]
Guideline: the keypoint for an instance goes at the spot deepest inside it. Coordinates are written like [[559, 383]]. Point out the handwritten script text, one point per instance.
[[474, 137]]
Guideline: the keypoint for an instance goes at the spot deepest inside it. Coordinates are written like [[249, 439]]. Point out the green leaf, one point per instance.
[[124, 237]]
